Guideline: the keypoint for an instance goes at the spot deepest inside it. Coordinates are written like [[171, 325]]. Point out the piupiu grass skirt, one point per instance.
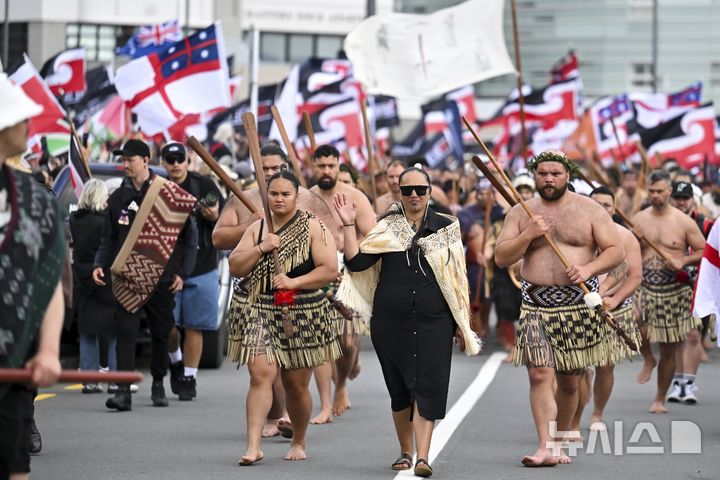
[[568, 337], [624, 317], [258, 329], [666, 311]]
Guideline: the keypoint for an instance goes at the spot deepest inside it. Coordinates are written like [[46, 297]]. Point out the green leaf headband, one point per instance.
[[552, 156]]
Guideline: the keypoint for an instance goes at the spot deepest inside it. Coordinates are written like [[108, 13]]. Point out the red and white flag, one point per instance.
[[65, 72], [51, 123], [188, 77], [707, 290]]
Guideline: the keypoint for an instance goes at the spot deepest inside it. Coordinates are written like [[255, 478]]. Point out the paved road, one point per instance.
[[204, 438]]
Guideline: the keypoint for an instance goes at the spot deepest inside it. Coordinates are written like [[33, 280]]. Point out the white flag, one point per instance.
[[407, 55]]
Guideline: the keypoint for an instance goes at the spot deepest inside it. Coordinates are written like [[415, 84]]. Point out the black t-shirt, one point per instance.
[[199, 187]]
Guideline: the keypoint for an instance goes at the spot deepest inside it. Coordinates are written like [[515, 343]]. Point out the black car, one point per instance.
[[214, 341]]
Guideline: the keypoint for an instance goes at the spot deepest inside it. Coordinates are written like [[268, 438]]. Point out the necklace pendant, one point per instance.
[[414, 227]]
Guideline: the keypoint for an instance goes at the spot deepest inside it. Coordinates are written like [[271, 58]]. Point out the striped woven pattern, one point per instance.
[[136, 280]]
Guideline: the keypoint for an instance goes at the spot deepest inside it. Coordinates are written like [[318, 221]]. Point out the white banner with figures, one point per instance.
[[410, 56]]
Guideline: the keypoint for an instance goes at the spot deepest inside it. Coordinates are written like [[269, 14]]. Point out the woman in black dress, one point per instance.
[[411, 267]]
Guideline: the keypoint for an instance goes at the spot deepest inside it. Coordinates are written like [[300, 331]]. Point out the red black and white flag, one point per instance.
[[64, 73], [78, 174], [567, 68], [688, 138]]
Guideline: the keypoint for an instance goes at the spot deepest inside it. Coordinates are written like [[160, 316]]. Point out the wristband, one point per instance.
[[261, 250], [348, 224]]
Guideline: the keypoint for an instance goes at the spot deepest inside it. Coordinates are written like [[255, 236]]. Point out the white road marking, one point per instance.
[[445, 429]]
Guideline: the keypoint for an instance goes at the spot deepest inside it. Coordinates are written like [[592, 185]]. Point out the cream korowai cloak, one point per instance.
[[443, 250]]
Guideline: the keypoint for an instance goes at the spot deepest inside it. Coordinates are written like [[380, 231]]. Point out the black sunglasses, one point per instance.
[[172, 160], [406, 190]]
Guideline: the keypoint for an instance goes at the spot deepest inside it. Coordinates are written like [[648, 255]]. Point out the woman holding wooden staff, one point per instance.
[[296, 330]]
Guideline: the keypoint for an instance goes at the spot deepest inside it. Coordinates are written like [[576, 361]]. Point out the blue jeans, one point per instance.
[[90, 353]]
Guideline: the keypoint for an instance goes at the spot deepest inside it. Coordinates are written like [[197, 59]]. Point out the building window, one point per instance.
[[17, 45], [641, 75], [99, 40], [300, 47], [297, 47], [715, 74]]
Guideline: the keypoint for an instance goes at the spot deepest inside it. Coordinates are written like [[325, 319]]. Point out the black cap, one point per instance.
[[172, 149], [132, 148], [682, 189]]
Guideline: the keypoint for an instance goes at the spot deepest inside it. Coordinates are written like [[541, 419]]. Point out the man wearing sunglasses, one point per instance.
[[196, 304], [124, 205]]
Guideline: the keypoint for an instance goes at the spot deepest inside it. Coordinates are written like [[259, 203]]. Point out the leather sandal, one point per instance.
[[423, 468], [403, 462]]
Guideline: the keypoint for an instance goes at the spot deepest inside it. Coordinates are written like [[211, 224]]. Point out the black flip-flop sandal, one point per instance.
[[423, 468], [403, 462]]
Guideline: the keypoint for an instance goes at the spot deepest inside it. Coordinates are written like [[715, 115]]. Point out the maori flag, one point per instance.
[[266, 98], [565, 69], [150, 242], [688, 138], [100, 89], [65, 72]]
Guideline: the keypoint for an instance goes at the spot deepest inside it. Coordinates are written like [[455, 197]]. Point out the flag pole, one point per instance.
[[254, 67], [81, 147], [521, 98], [370, 157], [617, 139], [309, 130], [288, 146]]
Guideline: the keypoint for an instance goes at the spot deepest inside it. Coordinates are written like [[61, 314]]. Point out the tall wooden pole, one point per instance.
[[288, 146], [371, 157], [521, 98]]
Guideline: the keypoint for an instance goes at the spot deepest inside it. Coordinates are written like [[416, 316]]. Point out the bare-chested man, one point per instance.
[[554, 314], [393, 172], [326, 166], [234, 220], [666, 288], [630, 197], [618, 291]]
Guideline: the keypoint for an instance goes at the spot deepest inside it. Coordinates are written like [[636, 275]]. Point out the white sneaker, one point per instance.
[[677, 392], [113, 388], [690, 393]]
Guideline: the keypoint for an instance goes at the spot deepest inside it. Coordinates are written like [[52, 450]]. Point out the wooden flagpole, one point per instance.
[[309, 130], [24, 375], [521, 98], [369, 147], [288, 146]]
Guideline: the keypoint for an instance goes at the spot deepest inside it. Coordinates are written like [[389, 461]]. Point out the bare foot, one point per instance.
[[658, 407], [646, 371], [296, 452], [541, 458], [564, 459], [704, 357], [355, 369], [251, 457], [322, 418], [270, 429], [285, 427], [597, 424], [574, 435], [341, 402]]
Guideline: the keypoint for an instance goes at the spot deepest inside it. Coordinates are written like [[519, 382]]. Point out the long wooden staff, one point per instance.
[[625, 219], [23, 375], [642, 181], [248, 120], [218, 170], [371, 158], [600, 309], [288, 146], [309, 130], [617, 139]]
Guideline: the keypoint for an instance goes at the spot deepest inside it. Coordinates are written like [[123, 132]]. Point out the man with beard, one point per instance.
[[326, 166], [559, 334], [393, 172], [666, 289]]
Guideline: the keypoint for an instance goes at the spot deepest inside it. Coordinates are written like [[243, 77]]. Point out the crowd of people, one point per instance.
[[318, 263]]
